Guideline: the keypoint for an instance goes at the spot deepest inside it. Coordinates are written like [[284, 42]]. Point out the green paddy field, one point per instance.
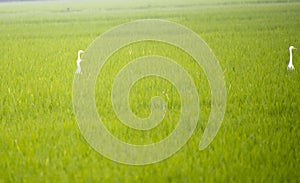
[[259, 140]]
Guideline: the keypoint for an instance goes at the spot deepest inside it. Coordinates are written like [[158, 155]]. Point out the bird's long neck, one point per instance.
[[78, 55], [291, 56]]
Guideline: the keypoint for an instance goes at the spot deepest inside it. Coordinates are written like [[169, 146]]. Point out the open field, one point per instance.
[[259, 138]]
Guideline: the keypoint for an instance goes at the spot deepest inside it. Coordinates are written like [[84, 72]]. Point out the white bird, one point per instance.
[[290, 65], [78, 70]]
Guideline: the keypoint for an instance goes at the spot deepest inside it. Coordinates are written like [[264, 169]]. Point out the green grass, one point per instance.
[[257, 142]]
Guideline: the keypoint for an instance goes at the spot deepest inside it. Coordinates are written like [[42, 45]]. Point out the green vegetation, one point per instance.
[[257, 142]]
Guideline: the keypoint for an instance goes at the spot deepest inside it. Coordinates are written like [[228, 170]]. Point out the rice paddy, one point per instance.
[[259, 138]]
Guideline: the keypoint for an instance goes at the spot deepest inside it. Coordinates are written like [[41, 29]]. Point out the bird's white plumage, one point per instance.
[[78, 70], [290, 65]]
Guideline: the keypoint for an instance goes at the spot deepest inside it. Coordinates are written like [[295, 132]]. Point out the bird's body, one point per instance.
[[290, 65], [78, 70]]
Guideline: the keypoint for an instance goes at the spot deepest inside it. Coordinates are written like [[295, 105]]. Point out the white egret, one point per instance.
[[290, 65], [78, 70]]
